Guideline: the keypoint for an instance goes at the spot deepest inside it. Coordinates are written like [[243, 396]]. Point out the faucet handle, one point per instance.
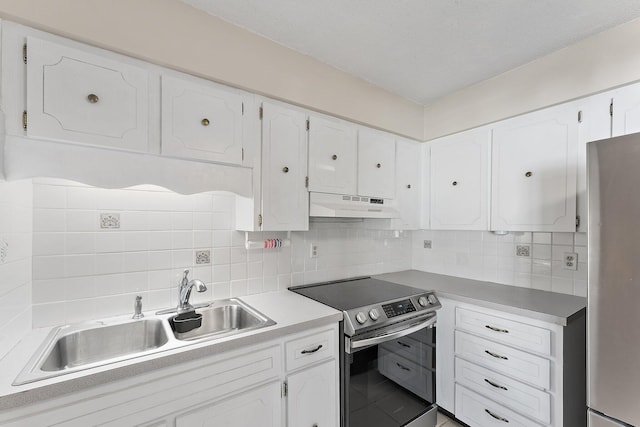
[[137, 308], [185, 280]]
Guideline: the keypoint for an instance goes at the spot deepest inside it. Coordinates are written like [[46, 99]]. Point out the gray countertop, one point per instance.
[[291, 312], [547, 306]]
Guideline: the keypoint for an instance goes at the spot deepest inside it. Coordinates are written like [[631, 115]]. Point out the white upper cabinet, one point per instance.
[[626, 110], [408, 184], [460, 181], [533, 180], [76, 96], [201, 120], [332, 156], [285, 200], [376, 164]]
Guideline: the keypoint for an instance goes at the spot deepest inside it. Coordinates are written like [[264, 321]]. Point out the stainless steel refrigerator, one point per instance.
[[613, 356]]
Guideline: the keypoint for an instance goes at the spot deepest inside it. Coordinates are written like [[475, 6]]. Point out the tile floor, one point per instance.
[[444, 421]]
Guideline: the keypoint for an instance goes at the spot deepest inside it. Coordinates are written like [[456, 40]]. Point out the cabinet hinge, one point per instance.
[[577, 220], [261, 112], [285, 389], [611, 108], [24, 53], [243, 108], [260, 220], [243, 154], [308, 124], [580, 116], [24, 120], [306, 182]]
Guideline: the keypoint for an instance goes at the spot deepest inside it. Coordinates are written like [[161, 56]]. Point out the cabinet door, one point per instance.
[[201, 120], [595, 124], [86, 98], [408, 184], [533, 179], [460, 181], [376, 164], [626, 110], [312, 397], [258, 407], [332, 156], [285, 200]]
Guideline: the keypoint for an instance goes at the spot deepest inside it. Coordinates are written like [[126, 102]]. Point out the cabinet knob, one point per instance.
[[408, 185], [315, 425], [528, 174], [93, 98], [205, 122], [378, 165], [334, 157], [454, 183], [285, 169]]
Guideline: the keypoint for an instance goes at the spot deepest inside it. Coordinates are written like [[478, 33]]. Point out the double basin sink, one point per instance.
[[73, 348]]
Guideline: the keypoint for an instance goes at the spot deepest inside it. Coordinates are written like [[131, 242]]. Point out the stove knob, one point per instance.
[[423, 301], [433, 299], [361, 317], [373, 314]]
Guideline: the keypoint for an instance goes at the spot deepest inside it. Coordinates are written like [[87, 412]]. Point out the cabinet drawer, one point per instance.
[[509, 361], [478, 411], [408, 374], [76, 96], [528, 337], [506, 391], [310, 349]]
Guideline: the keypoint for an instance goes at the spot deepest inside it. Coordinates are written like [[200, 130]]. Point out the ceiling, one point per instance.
[[424, 49]]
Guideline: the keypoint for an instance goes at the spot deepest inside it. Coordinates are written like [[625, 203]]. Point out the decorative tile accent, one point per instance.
[[523, 250], [109, 220], [203, 257]]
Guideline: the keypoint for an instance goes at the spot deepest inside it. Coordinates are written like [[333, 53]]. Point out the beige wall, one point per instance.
[[173, 34], [601, 62]]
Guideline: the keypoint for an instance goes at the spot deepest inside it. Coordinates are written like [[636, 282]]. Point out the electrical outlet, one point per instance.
[[523, 250], [570, 261], [427, 244], [203, 257], [313, 251], [109, 220]]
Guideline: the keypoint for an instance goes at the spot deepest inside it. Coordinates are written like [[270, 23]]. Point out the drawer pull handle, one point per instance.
[[404, 368], [497, 356], [403, 344], [312, 351], [495, 385], [493, 328], [497, 417], [93, 98]]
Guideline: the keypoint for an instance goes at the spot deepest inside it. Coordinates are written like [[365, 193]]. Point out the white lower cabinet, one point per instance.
[[257, 407], [240, 388], [312, 397], [510, 369]]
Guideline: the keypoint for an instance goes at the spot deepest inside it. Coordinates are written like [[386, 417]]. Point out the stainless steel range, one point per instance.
[[388, 346]]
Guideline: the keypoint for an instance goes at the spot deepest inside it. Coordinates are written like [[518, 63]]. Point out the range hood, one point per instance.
[[346, 206]]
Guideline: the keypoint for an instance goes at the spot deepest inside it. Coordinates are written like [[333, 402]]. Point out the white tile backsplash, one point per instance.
[[490, 257]]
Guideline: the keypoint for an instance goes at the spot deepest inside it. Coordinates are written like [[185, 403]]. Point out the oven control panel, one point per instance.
[[398, 308]]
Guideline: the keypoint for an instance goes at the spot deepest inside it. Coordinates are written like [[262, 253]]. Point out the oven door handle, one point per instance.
[[354, 345]]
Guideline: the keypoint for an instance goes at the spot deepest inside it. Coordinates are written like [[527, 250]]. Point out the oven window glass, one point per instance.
[[393, 383]]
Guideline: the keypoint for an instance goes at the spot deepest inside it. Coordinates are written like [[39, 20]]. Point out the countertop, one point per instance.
[[291, 312], [551, 307]]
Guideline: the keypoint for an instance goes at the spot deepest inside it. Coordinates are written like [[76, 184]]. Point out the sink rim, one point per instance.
[[33, 371]]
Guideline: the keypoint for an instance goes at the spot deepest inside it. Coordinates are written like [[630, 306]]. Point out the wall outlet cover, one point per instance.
[[523, 250], [313, 251], [109, 220], [427, 244], [570, 261], [203, 257]]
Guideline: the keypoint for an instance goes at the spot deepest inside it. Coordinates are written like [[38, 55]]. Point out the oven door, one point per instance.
[[390, 377]]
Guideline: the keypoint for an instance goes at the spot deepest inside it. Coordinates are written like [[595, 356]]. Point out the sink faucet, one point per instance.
[[185, 287]]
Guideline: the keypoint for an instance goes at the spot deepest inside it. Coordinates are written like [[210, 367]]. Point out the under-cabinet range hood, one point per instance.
[[345, 206]]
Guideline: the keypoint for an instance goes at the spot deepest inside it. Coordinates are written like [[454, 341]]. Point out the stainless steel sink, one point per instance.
[[223, 318], [88, 346], [72, 348]]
